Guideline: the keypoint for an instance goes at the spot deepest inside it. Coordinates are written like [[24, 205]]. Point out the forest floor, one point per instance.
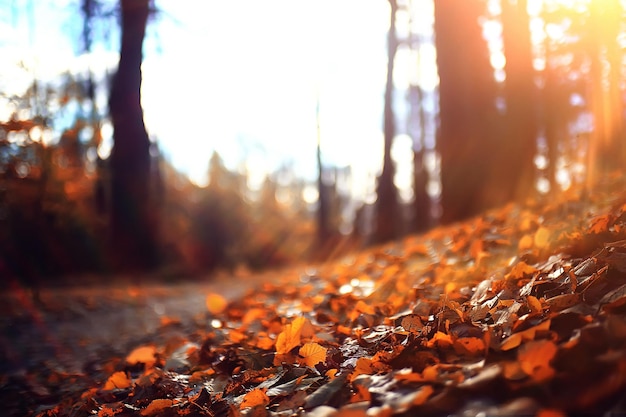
[[521, 311]]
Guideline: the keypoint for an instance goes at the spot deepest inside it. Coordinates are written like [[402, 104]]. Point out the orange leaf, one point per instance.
[[600, 224], [156, 407], [535, 357], [521, 269], [441, 340], [216, 303], [256, 397], [525, 243], [312, 354], [542, 237], [142, 354], [534, 304], [119, 380], [290, 337], [469, 346]]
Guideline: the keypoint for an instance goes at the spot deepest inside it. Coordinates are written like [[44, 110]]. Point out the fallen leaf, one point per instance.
[[290, 337], [157, 407], [256, 397], [542, 237], [119, 380], [535, 357], [142, 354], [312, 354], [216, 303], [411, 323], [469, 346]]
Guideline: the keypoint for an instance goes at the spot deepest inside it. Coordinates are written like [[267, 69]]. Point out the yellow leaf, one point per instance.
[[119, 380], [216, 303], [312, 354]]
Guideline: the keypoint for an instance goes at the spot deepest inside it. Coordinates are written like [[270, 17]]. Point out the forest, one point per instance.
[[549, 90], [482, 272]]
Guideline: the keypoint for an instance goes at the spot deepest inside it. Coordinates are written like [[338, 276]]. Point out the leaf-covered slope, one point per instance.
[[519, 311]]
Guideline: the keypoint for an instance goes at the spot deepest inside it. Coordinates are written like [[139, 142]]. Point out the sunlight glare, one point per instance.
[[106, 145], [310, 194], [35, 133]]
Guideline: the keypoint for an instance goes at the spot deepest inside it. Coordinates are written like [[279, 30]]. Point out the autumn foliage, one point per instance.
[[518, 312]]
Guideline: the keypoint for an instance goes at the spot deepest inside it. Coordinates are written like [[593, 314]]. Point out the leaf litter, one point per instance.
[[519, 311]]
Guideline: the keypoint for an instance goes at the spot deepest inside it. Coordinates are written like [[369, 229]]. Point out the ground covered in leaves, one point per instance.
[[521, 311]]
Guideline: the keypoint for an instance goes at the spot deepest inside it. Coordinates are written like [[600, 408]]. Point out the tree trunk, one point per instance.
[[466, 137], [387, 204], [132, 217], [607, 151], [518, 146]]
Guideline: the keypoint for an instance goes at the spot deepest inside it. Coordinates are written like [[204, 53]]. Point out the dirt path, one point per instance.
[[76, 326]]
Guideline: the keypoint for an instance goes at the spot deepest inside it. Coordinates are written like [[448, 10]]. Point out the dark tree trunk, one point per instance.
[[132, 217], [518, 146], [467, 110], [387, 204]]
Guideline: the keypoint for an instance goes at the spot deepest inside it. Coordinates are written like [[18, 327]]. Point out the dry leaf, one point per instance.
[[312, 354], [142, 354], [119, 380], [157, 407], [469, 346], [216, 303], [256, 397], [290, 337], [542, 237], [535, 357], [411, 323]]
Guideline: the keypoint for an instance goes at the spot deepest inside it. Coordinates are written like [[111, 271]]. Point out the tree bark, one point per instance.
[[467, 96], [132, 217], [387, 203], [518, 146]]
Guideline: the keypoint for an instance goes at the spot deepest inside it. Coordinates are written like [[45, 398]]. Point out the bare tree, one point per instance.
[[387, 203], [133, 224]]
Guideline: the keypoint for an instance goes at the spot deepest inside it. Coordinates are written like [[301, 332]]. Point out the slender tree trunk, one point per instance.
[[323, 209], [518, 146], [132, 217], [607, 148], [387, 204], [466, 137]]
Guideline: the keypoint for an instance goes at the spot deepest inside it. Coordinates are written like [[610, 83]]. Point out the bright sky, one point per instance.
[[241, 77], [250, 74]]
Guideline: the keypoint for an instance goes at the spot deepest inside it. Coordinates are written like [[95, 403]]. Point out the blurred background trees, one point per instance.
[[527, 100]]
